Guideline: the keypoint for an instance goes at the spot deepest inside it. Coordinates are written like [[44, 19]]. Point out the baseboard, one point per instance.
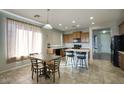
[[14, 68]]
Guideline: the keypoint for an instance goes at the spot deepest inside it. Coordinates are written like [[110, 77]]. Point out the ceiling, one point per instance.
[[66, 16]]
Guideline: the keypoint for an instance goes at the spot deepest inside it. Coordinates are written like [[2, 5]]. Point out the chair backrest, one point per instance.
[[57, 62], [69, 53], [35, 62], [54, 65], [32, 59], [83, 54]]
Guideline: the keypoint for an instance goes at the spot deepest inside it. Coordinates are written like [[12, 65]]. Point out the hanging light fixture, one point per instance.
[[48, 26]]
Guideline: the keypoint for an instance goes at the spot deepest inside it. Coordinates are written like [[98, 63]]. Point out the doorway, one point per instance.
[[101, 44]]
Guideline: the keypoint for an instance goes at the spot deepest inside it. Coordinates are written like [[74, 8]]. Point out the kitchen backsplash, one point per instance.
[[71, 45], [84, 45]]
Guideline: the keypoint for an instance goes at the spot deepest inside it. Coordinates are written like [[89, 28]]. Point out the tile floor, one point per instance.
[[99, 72], [104, 56]]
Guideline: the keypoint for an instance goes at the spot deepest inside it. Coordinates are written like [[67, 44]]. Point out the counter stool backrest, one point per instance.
[[81, 54], [69, 53]]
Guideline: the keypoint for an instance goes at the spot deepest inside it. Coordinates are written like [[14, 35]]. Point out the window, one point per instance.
[[22, 39]]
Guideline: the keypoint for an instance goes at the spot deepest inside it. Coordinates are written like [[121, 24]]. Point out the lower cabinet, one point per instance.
[[121, 60], [59, 52], [50, 51]]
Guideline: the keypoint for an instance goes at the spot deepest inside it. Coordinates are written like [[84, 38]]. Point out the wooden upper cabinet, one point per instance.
[[76, 34], [121, 28], [85, 37], [68, 38], [65, 38]]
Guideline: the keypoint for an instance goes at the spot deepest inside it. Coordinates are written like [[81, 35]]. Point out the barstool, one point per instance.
[[70, 55], [81, 56]]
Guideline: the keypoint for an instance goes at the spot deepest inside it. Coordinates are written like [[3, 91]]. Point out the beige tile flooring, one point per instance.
[[99, 72]]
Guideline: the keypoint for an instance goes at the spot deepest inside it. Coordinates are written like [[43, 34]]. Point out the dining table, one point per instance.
[[45, 58], [81, 50]]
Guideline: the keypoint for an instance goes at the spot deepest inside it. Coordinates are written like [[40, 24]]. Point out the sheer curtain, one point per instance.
[[22, 39]]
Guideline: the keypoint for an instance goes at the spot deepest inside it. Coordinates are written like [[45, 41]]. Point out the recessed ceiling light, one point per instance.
[[77, 25], [66, 27], [93, 23], [60, 24], [91, 18], [73, 21]]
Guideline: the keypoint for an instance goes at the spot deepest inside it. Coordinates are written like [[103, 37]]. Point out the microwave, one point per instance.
[[76, 40]]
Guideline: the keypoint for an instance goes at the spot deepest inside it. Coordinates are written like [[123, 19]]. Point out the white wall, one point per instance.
[[55, 37], [114, 29]]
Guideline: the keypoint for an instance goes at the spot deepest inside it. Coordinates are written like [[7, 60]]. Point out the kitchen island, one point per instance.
[[57, 50]]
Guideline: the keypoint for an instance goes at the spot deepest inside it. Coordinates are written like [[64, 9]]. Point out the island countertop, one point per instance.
[[121, 52], [79, 50]]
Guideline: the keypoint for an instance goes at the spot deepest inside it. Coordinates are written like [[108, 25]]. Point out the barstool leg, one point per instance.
[[66, 58], [72, 62], [86, 64], [82, 63], [77, 63]]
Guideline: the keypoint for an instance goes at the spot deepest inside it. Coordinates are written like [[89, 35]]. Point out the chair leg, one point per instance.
[[40, 71], [37, 75], [32, 73], [59, 73], [86, 64], [53, 76]]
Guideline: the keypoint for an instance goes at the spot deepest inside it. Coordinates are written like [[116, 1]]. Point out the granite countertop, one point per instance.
[[66, 47], [60, 47]]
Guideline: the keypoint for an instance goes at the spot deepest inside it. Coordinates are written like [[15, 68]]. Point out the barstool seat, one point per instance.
[[70, 55], [82, 57]]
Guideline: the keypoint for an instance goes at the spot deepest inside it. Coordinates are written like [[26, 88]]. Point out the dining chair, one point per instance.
[[32, 54], [69, 57], [53, 67], [81, 59], [36, 66]]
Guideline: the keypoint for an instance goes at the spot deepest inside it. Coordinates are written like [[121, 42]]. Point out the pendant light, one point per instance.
[[48, 26]]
